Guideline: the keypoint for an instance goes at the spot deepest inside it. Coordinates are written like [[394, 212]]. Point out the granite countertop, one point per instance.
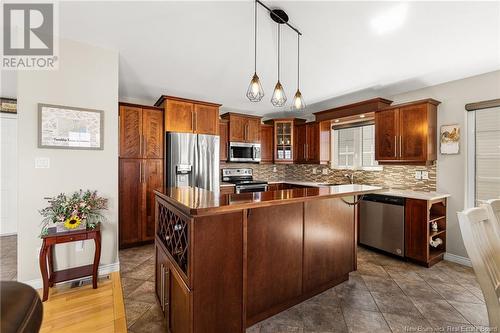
[[197, 201], [421, 195]]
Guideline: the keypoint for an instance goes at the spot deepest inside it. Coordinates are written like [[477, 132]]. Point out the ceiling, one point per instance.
[[349, 50]]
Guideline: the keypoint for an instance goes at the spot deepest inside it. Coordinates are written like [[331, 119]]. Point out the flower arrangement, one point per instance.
[[76, 211]]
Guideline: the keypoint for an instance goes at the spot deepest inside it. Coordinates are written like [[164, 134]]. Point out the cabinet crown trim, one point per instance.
[[421, 101], [163, 98], [228, 114]]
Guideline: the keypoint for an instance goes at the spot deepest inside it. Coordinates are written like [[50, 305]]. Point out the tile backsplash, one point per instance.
[[397, 176]]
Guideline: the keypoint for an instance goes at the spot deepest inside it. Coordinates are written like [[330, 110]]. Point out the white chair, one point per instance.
[[493, 207], [483, 247]]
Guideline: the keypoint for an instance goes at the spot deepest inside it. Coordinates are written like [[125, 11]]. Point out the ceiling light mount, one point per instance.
[[279, 16]]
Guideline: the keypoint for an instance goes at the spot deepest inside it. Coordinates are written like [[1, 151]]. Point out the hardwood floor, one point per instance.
[[84, 309]]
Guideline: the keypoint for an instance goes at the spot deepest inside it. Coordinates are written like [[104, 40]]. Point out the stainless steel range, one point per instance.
[[243, 179]]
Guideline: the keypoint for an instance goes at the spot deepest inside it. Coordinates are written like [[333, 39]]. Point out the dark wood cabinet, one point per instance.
[[419, 217], [189, 116], [174, 296], [313, 142], [329, 257], [140, 171], [407, 133], [224, 142], [141, 131], [227, 190], [266, 143], [269, 254], [243, 128], [130, 131], [285, 138], [131, 200]]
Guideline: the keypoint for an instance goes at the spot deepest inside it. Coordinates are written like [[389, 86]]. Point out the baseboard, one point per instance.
[[103, 270], [457, 259], [8, 234]]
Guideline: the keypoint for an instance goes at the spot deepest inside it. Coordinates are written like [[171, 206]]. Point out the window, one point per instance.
[[354, 147], [484, 155]]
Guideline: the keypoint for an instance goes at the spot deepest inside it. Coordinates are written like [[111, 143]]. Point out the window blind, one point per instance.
[[487, 159]]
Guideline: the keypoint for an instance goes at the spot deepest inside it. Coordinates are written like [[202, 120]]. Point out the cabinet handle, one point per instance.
[[145, 145], [166, 300], [395, 146], [195, 118], [144, 172], [140, 172], [400, 145], [140, 145], [162, 287]]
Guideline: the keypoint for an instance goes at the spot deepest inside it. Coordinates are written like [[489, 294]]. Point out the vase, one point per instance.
[[61, 228]]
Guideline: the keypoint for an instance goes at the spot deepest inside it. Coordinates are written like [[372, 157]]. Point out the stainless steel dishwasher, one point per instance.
[[382, 223]]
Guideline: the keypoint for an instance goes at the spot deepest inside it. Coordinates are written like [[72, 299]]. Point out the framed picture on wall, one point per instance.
[[450, 139], [8, 105], [67, 127]]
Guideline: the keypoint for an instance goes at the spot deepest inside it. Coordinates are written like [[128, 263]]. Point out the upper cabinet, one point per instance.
[[223, 133], [285, 138], [407, 133], [189, 116], [312, 142], [243, 128], [266, 143], [141, 131]]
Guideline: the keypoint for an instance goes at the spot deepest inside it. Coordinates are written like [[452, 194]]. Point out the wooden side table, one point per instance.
[[49, 241]]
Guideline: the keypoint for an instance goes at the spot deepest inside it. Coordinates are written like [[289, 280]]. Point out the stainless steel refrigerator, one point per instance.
[[192, 160]]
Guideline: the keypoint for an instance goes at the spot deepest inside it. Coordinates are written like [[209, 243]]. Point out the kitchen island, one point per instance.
[[227, 261]]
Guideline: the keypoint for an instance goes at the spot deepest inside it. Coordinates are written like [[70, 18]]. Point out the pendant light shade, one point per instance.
[[255, 91], [279, 96], [298, 100]]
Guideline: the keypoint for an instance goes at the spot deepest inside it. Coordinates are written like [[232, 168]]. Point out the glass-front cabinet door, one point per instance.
[[284, 141]]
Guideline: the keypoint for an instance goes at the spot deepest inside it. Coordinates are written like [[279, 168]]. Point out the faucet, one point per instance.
[[350, 176]]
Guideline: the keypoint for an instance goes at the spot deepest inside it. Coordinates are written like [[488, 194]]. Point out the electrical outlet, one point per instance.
[[42, 163], [425, 175], [418, 174], [79, 246], [315, 171], [325, 171], [275, 169]]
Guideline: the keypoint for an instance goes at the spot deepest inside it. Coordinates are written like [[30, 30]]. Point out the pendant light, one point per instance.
[[298, 100], [255, 91], [279, 97]]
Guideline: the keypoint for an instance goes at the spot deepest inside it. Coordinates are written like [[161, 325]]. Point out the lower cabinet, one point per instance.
[[227, 190], [138, 179], [173, 295]]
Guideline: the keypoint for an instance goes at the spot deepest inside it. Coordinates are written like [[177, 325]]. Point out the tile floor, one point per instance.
[[8, 258], [383, 295]]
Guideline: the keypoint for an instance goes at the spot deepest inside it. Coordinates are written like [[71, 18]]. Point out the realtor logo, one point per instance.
[[28, 36]]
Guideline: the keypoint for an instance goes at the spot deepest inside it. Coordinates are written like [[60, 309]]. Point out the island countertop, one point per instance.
[[196, 201]]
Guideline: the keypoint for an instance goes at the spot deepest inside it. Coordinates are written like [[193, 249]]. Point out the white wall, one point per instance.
[[8, 174], [88, 78], [451, 169]]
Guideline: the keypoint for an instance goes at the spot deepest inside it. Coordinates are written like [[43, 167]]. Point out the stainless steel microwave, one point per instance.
[[244, 152]]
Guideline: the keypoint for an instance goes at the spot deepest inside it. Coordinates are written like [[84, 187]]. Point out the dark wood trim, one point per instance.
[[142, 106], [492, 103], [353, 109], [227, 114], [420, 101], [162, 98]]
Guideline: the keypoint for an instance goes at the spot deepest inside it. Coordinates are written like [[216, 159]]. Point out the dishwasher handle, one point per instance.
[[386, 199]]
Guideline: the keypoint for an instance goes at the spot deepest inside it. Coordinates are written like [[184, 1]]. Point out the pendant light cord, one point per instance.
[[298, 61], [279, 44], [255, 39]]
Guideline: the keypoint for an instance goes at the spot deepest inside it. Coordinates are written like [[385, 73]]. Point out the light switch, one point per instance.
[[42, 163], [418, 174], [425, 175], [315, 171]]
